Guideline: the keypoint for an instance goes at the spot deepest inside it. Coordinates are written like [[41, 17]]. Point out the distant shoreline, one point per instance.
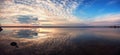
[[60, 26]]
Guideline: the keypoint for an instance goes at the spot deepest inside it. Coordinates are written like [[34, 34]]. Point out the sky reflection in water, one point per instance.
[[102, 40], [84, 33]]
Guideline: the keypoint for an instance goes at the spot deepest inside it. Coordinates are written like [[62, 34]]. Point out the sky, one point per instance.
[[60, 12], [92, 8]]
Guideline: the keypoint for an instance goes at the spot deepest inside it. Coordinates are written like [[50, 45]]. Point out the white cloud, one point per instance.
[[57, 11], [112, 2], [109, 19]]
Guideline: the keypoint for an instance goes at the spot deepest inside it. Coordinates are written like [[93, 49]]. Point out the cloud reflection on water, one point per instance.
[[61, 40]]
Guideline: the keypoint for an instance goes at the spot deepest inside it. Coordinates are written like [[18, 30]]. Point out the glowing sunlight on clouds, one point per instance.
[[57, 12], [54, 11]]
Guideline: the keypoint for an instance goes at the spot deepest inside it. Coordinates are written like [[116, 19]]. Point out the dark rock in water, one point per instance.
[[14, 44], [1, 29]]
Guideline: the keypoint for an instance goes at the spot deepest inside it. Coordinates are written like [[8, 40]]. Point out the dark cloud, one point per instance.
[[1, 2], [27, 19]]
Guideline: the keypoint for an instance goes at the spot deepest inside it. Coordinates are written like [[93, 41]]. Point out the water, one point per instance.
[[60, 41]]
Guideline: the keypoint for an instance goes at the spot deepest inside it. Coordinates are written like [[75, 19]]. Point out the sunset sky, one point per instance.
[[60, 12]]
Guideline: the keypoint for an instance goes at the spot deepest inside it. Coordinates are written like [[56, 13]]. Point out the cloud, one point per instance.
[[56, 11], [109, 19], [112, 2], [51, 12], [26, 19]]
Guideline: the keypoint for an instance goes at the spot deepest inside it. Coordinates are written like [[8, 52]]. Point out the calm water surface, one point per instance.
[[60, 41]]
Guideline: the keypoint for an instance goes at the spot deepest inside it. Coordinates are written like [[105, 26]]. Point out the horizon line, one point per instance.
[[60, 26]]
